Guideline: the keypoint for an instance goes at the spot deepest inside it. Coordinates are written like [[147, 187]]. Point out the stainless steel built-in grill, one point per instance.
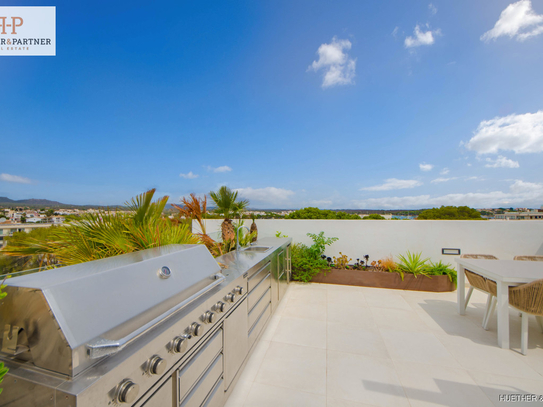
[[160, 327]]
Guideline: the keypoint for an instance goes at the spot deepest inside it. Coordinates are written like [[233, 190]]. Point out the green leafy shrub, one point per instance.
[[307, 261], [304, 265], [319, 243], [442, 269], [450, 213], [414, 264], [3, 371], [316, 213], [411, 263], [374, 216]]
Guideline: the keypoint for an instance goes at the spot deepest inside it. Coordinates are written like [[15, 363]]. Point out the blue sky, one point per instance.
[[332, 104]]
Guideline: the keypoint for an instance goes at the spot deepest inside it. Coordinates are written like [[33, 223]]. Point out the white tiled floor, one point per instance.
[[342, 346]]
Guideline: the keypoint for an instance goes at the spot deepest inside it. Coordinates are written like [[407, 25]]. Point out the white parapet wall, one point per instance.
[[380, 238]]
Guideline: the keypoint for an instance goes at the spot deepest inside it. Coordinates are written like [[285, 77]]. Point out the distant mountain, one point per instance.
[[31, 202], [46, 203]]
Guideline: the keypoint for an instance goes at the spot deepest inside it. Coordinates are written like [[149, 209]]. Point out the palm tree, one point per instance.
[[254, 228], [195, 208], [105, 234], [229, 206]]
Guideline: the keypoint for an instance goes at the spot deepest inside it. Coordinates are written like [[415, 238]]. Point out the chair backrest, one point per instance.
[[528, 258], [528, 297], [475, 280], [479, 256]]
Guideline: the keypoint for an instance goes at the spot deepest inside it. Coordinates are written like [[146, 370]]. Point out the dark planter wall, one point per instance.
[[385, 280]]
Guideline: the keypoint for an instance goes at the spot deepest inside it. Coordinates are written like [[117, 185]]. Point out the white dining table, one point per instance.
[[506, 273]]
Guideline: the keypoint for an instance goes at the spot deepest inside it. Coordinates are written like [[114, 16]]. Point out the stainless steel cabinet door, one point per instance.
[[236, 343], [163, 397]]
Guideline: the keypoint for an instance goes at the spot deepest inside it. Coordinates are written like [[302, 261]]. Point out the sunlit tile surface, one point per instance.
[[340, 346]]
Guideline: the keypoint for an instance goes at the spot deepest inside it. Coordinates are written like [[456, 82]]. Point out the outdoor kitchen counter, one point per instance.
[[261, 279], [139, 328], [238, 263]]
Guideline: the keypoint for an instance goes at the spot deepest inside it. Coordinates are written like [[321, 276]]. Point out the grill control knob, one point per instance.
[[128, 392], [230, 297], [220, 306], [238, 290], [196, 329], [209, 317], [157, 365], [179, 343]]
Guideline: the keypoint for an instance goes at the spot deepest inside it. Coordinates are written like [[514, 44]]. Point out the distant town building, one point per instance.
[[534, 214], [7, 230], [57, 220]]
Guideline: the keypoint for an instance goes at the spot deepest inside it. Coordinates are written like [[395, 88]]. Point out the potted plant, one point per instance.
[[411, 272]]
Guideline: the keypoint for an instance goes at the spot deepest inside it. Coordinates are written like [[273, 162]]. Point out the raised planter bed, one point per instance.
[[380, 279]]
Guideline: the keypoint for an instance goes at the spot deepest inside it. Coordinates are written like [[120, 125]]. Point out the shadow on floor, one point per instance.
[[469, 326], [450, 393]]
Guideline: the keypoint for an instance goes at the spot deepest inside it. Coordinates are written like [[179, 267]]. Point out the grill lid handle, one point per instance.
[[104, 347]]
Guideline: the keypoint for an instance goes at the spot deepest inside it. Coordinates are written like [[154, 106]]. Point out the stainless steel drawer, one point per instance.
[[258, 291], [197, 365], [260, 323], [259, 307], [258, 276], [216, 398], [205, 385], [163, 397]]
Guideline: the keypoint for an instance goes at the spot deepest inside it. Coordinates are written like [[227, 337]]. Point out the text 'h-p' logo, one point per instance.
[[15, 22]]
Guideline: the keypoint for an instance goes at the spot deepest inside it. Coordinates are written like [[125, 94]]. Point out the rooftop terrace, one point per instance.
[[345, 346]]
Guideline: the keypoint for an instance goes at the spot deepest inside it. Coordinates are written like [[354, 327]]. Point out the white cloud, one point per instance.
[[432, 8], [520, 193], [518, 21], [426, 201], [426, 167], [527, 188], [393, 183], [395, 31], [501, 162], [444, 171], [189, 175], [15, 178], [269, 195], [440, 180], [421, 38], [224, 168], [521, 133], [338, 67], [475, 178]]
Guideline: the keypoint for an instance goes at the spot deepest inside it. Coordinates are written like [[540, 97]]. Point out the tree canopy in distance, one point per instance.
[[450, 213]]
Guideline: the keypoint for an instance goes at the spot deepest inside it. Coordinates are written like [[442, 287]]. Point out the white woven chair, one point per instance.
[[528, 299], [480, 283], [492, 289], [528, 258]]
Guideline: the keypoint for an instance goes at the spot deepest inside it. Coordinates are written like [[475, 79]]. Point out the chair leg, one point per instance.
[[489, 311], [539, 320], [468, 297], [524, 333]]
